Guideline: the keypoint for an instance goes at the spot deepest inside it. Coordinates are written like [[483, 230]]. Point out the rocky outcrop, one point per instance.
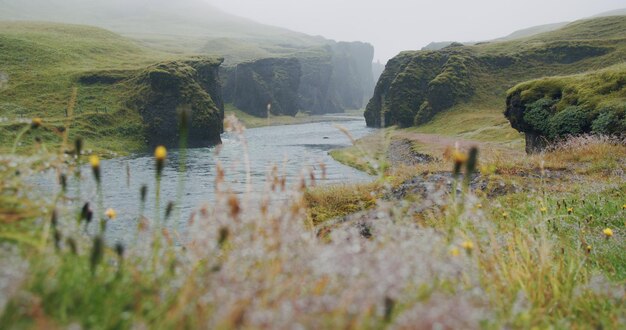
[[319, 80], [550, 109], [163, 90], [417, 85]]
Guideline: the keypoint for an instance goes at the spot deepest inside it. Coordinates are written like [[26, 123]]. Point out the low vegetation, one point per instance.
[[544, 233]]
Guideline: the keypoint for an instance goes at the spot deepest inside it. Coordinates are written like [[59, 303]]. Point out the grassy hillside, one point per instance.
[[488, 71], [44, 63], [171, 26]]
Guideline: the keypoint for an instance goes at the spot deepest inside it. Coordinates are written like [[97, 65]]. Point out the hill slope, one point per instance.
[[44, 62], [466, 85], [173, 26]]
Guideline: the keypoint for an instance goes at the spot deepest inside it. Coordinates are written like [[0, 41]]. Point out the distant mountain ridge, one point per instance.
[[523, 33]]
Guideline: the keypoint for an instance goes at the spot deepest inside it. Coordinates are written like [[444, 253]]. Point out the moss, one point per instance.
[[555, 107], [163, 89]]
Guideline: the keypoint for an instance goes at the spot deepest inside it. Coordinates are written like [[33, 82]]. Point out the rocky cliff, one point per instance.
[[416, 86], [319, 80], [162, 90], [552, 108]]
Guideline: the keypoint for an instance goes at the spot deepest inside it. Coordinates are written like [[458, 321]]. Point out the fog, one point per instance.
[[396, 25]]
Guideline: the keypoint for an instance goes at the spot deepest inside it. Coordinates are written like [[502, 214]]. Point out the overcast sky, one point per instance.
[[396, 25]]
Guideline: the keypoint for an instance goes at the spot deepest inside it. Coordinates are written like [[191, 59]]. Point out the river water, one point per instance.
[[293, 149]]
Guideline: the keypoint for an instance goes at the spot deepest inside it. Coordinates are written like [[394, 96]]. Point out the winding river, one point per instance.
[[293, 149]]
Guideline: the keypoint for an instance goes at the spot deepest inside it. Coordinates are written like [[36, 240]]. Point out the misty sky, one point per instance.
[[396, 25]]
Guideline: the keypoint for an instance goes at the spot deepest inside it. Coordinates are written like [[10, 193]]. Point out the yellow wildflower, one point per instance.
[[479, 206], [36, 122], [160, 153], [570, 210], [110, 213], [94, 160], [455, 252], [468, 245], [608, 232], [543, 209], [505, 215]]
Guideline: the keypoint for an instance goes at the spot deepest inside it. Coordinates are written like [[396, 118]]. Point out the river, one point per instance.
[[292, 148]]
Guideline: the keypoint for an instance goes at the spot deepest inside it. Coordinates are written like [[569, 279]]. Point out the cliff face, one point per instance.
[[252, 86], [416, 86], [161, 91], [321, 80]]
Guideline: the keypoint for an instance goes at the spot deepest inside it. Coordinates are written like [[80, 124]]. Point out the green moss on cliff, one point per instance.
[[435, 89], [163, 90], [551, 108]]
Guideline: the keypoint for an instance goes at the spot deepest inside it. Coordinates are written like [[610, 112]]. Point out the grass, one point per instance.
[[57, 55], [451, 260]]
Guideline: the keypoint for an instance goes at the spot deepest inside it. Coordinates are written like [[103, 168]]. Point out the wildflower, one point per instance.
[[160, 153], [505, 215], [468, 245], [36, 122], [608, 232], [570, 210], [543, 209], [110, 213], [479, 206], [94, 160], [459, 159], [624, 207], [588, 248], [455, 252]]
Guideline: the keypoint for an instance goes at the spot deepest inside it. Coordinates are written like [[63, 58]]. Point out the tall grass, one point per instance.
[[459, 263]]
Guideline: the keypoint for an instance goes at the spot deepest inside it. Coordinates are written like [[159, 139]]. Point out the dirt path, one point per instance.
[[436, 145]]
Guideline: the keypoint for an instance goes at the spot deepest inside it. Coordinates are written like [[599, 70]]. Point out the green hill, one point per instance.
[[44, 62], [173, 26], [461, 90]]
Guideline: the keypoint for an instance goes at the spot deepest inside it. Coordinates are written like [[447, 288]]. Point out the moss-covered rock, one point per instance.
[[162, 90], [417, 85], [549, 109]]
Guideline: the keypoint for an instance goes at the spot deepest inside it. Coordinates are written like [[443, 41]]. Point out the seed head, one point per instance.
[[608, 232], [111, 214], [78, 146]]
